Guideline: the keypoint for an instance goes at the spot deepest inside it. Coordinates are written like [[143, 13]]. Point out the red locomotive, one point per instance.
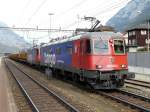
[[96, 58]]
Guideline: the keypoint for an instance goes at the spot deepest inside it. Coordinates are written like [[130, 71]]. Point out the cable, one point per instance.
[[72, 24], [111, 8], [69, 9], [98, 6], [23, 11], [103, 11], [73, 7], [38, 8]]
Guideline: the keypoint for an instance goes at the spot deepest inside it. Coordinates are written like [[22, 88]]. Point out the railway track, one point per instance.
[[40, 98], [133, 100], [138, 83]]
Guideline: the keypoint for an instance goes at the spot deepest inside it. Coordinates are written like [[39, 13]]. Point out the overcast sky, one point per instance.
[[32, 13]]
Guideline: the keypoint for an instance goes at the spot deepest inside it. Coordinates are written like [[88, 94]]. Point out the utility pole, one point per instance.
[[50, 14], [148, 37]]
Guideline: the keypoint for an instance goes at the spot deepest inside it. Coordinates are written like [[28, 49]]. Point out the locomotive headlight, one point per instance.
[[111, 41], [123, 66], [98, 66]]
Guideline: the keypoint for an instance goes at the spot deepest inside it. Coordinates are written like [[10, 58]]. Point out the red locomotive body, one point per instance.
[[33, 56], [102, 58], [100, 54]]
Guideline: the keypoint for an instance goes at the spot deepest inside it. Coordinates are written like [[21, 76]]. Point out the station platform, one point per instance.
[[141, 73], [7, 103], [142, 77]]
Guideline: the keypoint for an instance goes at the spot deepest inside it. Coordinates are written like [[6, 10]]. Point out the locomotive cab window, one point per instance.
[[119, 46], [100, 46]]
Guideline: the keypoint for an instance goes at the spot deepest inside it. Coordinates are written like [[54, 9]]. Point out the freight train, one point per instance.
[[96, 58]]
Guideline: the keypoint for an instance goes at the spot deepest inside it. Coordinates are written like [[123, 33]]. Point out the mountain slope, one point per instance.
[[7, 49], [10, 41], [132, 13]]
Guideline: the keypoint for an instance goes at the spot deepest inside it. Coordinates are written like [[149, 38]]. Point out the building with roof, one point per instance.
[[138, 35]]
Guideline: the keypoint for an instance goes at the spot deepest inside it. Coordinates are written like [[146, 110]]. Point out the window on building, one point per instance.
[[129, 42], [133, 32], [143, 32], [134, 42], [130, 33]]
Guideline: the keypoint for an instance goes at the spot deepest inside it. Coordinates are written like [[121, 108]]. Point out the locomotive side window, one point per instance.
[[50, 50], [58, 51], [88, 46], [37, 51], [119, 46], [69, 50], [75, 49], [100, 46]]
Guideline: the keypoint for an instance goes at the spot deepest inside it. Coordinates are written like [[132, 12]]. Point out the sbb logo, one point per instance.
[[50, 59]]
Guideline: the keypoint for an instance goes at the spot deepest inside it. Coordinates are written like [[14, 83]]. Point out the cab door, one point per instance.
[[82, 53], [80, 58]]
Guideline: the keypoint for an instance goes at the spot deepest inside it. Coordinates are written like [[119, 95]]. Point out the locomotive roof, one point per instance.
[[102, 35], [90, 35]]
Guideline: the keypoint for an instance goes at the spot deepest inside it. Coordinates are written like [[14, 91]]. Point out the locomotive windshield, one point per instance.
[[119, 46], [100, 46]]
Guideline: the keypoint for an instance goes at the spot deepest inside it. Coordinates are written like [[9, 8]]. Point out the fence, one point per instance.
[[139, 62]]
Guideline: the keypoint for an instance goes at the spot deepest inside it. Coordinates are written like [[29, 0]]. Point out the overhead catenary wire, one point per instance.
[[36, 11], [33, 29], [73, 7], [70, 9], [26, 6], [110, 8], [98, 5], [24, 9], [72, 24]]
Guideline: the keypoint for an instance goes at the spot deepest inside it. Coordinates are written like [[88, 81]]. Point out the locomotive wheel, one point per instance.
[[75, 78]]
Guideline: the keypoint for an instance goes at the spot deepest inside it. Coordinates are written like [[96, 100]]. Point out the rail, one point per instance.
[[127, 101], [30, 100]]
